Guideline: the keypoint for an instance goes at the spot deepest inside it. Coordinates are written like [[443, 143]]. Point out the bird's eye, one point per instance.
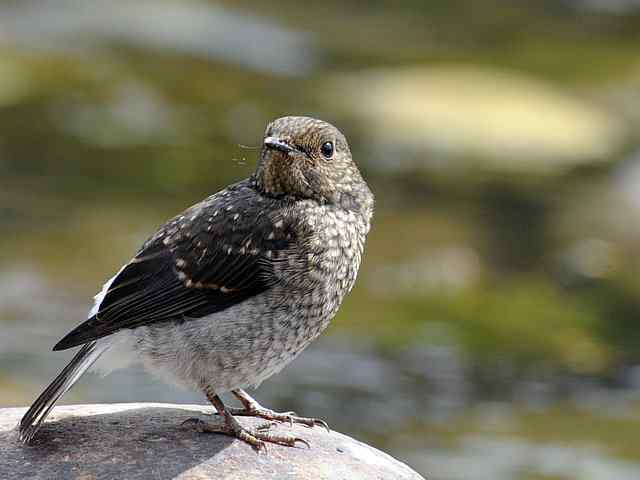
[[327, 149]]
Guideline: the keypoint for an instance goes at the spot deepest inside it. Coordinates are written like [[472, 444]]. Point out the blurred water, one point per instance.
[[188, 28]]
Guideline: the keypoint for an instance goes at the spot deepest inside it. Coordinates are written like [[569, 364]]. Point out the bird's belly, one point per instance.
[[236, 348]]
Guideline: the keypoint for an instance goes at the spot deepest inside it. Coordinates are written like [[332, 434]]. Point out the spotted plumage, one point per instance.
[[227, 293]]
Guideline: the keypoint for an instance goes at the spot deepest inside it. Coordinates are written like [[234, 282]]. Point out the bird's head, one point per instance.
[[303, 157]]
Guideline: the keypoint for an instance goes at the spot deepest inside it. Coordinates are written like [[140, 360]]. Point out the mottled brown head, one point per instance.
[[307, 158]]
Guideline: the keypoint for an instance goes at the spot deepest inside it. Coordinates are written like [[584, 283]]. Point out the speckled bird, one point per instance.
[[230, 291]]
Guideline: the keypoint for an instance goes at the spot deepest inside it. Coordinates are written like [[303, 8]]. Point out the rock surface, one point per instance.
[[145, 441]]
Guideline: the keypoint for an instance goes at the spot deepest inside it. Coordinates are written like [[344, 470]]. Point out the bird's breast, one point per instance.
[[327, 258]]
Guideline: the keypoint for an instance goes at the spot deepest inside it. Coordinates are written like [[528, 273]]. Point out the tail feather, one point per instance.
[[32, 420]]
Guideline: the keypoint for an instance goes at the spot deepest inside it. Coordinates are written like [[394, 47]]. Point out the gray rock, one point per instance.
[[145, 441]]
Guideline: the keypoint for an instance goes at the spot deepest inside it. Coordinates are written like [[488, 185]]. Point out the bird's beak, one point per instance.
[[277, 144]]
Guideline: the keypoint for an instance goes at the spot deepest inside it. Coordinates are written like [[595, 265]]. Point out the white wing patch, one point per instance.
[[99, 297]]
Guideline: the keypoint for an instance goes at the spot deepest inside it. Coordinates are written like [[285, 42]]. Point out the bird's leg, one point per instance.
[[253, 409], [257, 438]]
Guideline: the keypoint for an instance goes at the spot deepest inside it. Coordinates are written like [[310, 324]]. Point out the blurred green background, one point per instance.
[[494, 330]]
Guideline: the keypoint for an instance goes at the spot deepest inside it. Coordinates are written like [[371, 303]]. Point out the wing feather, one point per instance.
[[197, 264]]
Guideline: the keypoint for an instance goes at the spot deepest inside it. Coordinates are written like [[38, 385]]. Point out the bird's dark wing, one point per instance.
[[216, 254]]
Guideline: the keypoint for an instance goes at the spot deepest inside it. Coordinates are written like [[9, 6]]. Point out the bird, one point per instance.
[[227, 293]]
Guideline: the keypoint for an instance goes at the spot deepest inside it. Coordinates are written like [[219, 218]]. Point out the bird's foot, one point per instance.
[[286, 417], [257, 438], [253, 409]]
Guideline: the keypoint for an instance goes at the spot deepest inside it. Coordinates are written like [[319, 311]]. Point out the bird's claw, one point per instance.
[[257, 438], [288, 417], [322, 423], [195, 424], [286, 440]]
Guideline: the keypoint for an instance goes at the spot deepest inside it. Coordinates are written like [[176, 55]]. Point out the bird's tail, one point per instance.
[[30, 423]]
